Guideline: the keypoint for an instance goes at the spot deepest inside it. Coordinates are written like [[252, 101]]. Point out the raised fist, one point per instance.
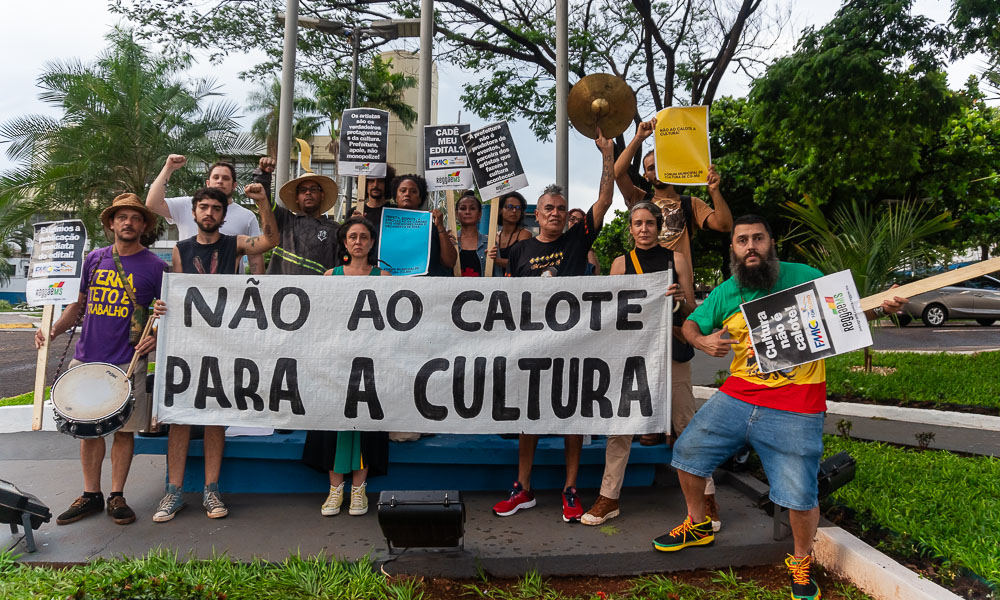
[[266, 164], [175, 161], [645, 129], [255, 191]]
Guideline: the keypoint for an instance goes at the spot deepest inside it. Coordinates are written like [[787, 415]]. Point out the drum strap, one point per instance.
[[79, 318], [121, 274]]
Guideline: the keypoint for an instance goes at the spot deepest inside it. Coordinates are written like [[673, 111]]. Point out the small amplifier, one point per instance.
[[422, 519]]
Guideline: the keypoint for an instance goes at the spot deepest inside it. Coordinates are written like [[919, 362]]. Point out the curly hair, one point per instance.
[[417, 179]]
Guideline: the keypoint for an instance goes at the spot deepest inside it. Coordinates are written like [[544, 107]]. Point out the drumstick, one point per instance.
[[135, 357]]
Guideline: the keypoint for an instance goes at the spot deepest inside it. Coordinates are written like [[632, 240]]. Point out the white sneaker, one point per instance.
[[333, 501], [359, 500]]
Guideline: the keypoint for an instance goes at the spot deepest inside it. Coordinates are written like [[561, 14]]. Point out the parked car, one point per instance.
[[978, 299]]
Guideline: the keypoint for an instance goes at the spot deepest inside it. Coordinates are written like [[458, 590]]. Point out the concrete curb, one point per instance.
[[871, 571], [14, 419], [924, 416]]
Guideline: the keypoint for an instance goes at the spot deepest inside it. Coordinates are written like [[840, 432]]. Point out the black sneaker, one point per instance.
[[686, 534], [81, 507], [119, 511], [803, 586]]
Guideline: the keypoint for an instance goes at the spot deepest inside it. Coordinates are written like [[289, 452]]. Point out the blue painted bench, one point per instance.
[[271, 464]]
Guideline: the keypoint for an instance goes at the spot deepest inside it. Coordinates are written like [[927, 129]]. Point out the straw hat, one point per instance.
[[289, 197], [128, 201]]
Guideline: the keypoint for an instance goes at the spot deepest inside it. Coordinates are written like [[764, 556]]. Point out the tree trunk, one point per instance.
[[868, 360]]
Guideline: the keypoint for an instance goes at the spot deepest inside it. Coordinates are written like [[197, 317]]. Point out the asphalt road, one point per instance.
[[17, 352]]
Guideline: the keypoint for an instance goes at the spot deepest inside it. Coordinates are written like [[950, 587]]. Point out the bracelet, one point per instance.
[[878, 311]]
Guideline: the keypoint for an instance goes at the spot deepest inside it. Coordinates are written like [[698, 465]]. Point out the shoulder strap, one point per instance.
[[688, 214], [635, 262], [121, 275]]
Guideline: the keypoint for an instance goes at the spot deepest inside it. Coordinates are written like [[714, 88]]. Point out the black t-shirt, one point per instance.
[[563, 257], [654, 260], [470, 263], [308, 244], [217, 258]]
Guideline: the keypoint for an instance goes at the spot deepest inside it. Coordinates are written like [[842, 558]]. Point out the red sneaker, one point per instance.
[[572, 510], [519, 498]]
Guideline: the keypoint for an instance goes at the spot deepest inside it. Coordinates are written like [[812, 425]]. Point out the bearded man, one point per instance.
[[780, 415]]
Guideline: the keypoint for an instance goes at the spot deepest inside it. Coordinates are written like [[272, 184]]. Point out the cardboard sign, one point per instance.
[[56, 262], [446, 164], [436, 355], [680, 145], [404, 241], [495, 164], [807, 322], [364, 142]]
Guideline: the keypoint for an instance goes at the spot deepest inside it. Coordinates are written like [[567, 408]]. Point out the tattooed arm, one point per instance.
[[260, 244], [607, 189]]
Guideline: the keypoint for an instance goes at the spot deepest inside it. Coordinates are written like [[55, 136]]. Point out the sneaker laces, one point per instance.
[[800, 569], [684, 527], [570, 495], [167, 503], [79, 502], [213, 501]]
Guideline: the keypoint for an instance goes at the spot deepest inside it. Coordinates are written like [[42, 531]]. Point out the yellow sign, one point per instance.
[[305, 156], [680, 145]]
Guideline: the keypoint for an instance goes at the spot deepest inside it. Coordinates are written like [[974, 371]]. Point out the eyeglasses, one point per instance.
[[312, 189], [516, 207]]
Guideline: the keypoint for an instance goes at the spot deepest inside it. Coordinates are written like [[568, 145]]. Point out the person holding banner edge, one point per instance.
[[560, 254], [209, 253], [358, 453], [104, 337], [222, 176], [779, 414]]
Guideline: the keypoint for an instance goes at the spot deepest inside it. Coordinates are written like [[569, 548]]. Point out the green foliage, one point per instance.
[[944, 502], [25, 398], [919, 378], [4, 305], [265, 103], [120, 118], [855, 105], [872, 243], [613, 241]]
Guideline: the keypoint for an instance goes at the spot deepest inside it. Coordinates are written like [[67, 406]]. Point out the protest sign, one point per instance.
[[364, 142], [404, 241], [446, 164], [807, 322], [493, 157], [680, 145], [56, 262], [435, 355]]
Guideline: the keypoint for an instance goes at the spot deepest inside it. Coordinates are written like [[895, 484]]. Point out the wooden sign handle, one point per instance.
[[494, 211], [362, 190], [932, 283], [449, 196], [40, 366]]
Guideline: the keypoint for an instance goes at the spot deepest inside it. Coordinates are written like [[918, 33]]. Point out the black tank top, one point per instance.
[[654, 260], [217, 258]]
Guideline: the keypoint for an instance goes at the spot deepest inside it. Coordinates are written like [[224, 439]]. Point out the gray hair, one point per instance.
[[552, 189]]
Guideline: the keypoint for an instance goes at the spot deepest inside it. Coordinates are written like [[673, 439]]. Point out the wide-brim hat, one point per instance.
[[128, 201], [289, 198]]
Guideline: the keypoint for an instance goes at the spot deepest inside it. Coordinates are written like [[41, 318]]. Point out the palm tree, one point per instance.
[[121, 117], [266, 101], [873, 244]]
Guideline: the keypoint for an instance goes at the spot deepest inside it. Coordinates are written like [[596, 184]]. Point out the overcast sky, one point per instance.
[[76, 28]]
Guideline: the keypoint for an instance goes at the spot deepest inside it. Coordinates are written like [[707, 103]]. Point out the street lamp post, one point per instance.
[[287, 92]]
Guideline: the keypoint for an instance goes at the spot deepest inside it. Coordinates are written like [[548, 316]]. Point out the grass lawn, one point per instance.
[[941, 379], [25, 398], [947, 503], [162, 575]]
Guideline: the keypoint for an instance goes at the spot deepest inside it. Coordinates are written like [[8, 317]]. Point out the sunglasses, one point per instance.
[[312, 189], [512, 207]]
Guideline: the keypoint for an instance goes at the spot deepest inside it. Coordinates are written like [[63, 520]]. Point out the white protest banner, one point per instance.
[[364, 142], [56, 262], [495, 164], [404, 241], [446, 164], [437, 355], [807, 322]]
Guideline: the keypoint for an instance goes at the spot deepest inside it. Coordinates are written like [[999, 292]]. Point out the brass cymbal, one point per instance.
[[601, 100]]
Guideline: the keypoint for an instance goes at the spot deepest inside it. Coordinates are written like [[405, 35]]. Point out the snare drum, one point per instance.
[[92, 400]]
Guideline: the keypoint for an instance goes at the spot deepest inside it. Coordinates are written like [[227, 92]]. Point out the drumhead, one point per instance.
[[90, 392]]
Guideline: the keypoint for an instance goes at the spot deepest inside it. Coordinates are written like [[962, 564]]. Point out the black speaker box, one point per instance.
[[14, 502], [422, 519]]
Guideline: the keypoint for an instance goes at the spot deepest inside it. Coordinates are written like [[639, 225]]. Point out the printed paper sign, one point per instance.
[[364, 142], [56, 262], [495, 164], [404, 242], [807, 322], [436, 355], [446, 164], [680, 145]]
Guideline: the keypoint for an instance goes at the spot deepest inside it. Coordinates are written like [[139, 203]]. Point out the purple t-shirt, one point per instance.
[[104, 337]]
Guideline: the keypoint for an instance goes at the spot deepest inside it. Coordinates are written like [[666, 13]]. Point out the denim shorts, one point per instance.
[[790, 446]]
